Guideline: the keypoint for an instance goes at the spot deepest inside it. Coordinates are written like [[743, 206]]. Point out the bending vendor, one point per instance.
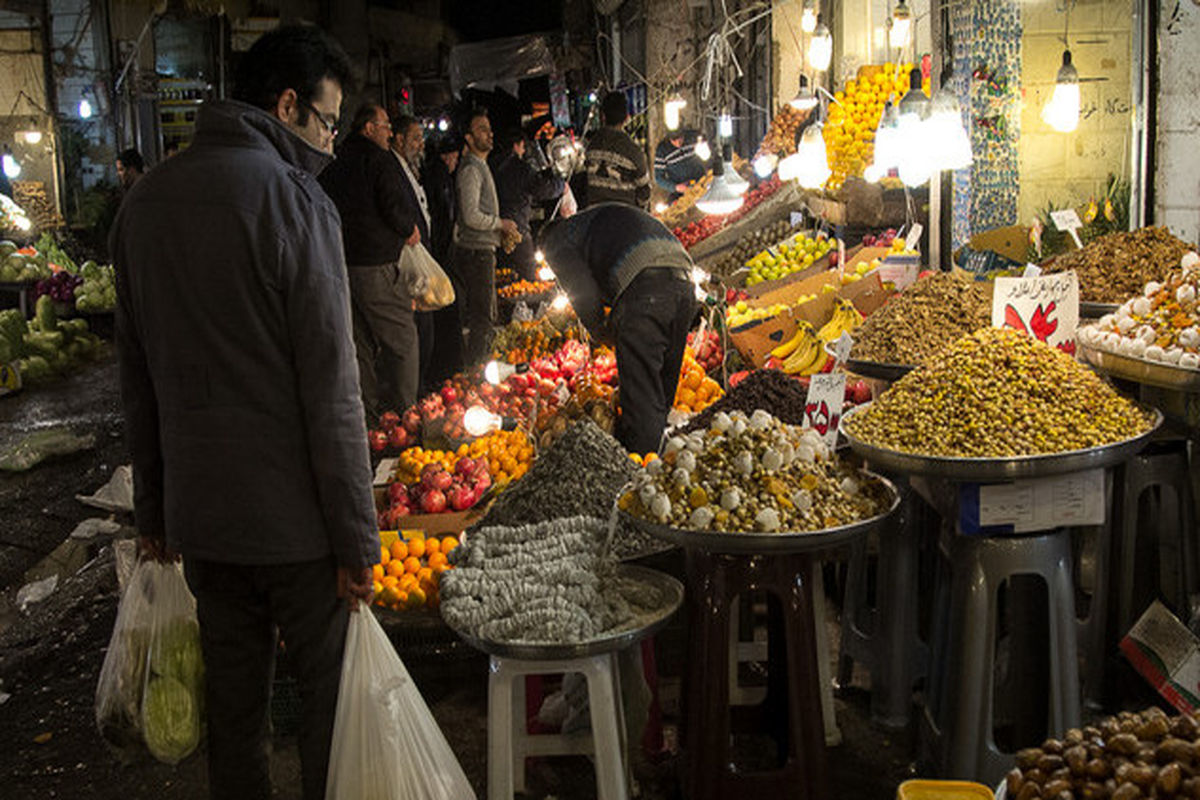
[[619, 256]]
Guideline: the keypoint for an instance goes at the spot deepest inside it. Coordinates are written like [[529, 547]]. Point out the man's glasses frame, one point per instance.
[[326, 124]]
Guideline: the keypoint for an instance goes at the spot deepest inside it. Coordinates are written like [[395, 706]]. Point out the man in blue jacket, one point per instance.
[[619, 256], [241, 398]]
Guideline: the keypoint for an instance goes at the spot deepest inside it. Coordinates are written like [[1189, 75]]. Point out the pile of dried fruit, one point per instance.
[[768, 389], [518, 342], [1163, 324], [752, 474], [998, 393], [930, 314], [781, 134], [1117, 266], [1126, 757]]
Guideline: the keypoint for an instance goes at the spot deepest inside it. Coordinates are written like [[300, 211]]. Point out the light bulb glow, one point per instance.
[[702, 150], [85, 109], [23, 223], [820, 48], [808, 16], [725, 126], [1062, 112], [11, 168], [478, 421], [539, 256], [660, 207], [947, 137], [31, 137], [560, 302], [544, 273], [671, 111], [812, 170], [764, 165], [872, 173], [491, 373], [699, 276], [789, 167], [720, 198], [900, 26], [443, 124]]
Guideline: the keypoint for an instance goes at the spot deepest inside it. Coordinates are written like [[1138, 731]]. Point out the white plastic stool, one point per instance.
[[509, 744]]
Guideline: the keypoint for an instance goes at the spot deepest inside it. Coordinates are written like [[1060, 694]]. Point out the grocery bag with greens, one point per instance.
[[151, 688], [380, 713]]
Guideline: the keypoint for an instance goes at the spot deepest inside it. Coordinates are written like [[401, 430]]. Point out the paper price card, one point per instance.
[[1045, 307], [1067, 219], [823, 406], [1043, 504]]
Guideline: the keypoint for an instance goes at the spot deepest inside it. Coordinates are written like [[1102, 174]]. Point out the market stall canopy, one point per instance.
[[499, 63]]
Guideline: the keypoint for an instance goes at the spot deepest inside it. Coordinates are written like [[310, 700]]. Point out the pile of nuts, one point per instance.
[[752, 474], [1114, 267], [998, 393], [930, 314], [769, 389], [1126, 757], [1162, 324]]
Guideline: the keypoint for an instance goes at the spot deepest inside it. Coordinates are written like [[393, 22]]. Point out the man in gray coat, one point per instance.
[[477, 235], [241, 399]]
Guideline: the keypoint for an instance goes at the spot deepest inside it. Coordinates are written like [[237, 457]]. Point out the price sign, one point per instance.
[[840, 348], [1067, 220], [1039, 505], [795, 218], [1045, 307], [913, 238], [823, 406]]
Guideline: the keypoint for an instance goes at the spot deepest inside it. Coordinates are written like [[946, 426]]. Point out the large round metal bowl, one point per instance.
[[670, 588], [1142, 370], [1096, 310], [983, 470], [878, 369], [756, 543]]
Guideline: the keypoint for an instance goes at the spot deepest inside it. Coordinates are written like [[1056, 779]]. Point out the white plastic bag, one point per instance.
[[380, 713], [425, 279], [151, 687]]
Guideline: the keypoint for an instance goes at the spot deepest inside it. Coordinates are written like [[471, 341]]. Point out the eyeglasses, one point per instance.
[[321, 118]]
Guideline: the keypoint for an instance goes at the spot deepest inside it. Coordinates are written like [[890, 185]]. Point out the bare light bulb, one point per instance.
[[820, 48], [478, 421], [808, 16], [764, 165], [702, 150], [85, 109], [725, 126], [1062, 112], [900, 26]]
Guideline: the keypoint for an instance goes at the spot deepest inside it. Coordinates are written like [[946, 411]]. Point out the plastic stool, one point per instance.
[[708, 721], [1124, 586], [509, 744], [959, 716], [885, 638]]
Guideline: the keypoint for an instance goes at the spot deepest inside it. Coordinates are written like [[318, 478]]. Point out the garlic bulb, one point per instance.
[[731, 499], [686, 461], [1125, 323], [1185, 293], [806, 454], [681, 477], [1154, 353], [767, 520], [772, 460], [849, 486], [1146, 334], [760, 420], [1173, 355], [1152, 288], [1189, 261], [1189, 361], [743, 462], [802, 500], [721, 422], [674, 444], [655, 467], [647, 494], [660, 507], [1140, 306], [1189, 337], [700, 518]]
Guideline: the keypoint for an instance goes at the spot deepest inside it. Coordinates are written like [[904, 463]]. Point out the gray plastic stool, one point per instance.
[[884, 638], [959, 717], [1158, 482]]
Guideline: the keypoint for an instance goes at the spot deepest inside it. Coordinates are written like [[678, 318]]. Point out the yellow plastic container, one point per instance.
[[943, 790]]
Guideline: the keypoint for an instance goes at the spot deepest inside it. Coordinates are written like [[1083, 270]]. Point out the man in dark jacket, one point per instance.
[[408, 146], [241, 398], [619, 256], [366, 185], [518, 185], [615, 165], [438, 178], [676, 164]]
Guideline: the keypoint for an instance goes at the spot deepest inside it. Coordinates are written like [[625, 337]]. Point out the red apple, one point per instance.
[[398, 438], [833, 258], [860, 393], [461, 498], [433, 502], [377, 439], [449, 394]]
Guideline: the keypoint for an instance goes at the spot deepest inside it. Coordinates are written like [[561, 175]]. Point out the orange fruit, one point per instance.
[[432, 546], [408, 583], [389, 595], [399, 550], [377, 572], [390, 580], [424, 575], [437, 558], [384, 555], [416, 547], [376, 587], [412, 564], [449, 543], [416, 598], [395, 567]]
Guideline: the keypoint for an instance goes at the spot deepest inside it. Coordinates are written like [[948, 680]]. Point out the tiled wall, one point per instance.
[[1177, 180]]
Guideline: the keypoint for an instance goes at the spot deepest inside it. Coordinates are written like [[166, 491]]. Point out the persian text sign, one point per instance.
[[1045, 307]]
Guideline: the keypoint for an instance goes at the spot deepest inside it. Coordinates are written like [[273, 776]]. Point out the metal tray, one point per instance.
[[754, 543], [607, 643], [982, 470], [878, 369], [1096, 310], [1140, 370]]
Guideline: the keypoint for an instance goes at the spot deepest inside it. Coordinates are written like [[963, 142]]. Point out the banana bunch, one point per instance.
[[804, 353], [845, 318]]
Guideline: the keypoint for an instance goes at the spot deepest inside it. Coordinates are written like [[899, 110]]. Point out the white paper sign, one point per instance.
[[1045, 307], [840, 348], [1038, 505], [1068, 220], [912, 239], [385, 471], [823, 406], [795, 218]]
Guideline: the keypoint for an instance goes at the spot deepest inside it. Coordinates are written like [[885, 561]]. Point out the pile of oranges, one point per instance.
[[696, 391], [850, 128], [509, 454], [518, 288], [413, 460], [409, 570]]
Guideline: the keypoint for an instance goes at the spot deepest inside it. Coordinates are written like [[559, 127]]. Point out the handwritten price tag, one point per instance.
[[1068, 220], [823, 406], [1045, 307], [1042, 504]]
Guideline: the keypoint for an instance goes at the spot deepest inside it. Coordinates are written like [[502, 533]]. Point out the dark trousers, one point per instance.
[[385, 339], [651, 318], [477, 271], [426, 333], [521, 259], [242, 609]]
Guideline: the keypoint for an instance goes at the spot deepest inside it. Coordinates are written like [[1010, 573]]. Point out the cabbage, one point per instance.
[[170, 719], [177, 655]]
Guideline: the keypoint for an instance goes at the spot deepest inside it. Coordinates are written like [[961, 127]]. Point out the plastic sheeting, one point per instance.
[[499, 63]]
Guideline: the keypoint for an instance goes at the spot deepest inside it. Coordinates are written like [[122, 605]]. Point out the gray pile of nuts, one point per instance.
[[998, 393], [550, 582], [1126, 757], [752, 474]]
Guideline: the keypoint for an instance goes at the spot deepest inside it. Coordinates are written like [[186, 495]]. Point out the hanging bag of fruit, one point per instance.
[[425, 279]]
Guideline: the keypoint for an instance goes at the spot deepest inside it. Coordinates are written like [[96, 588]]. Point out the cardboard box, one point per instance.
[[1167, 654], [1012, 242], [434, 524]]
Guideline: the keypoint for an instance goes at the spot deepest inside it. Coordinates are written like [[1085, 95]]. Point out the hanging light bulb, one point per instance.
[[725, 126], [947, 138], [789, 167], [736, 182], [11, 168], [820, 48], [900, 26], [886, 141], [85, 108], [912, 145], [671, 109], [702, 150], [1062, 112], [720, 197], [805, 99], [764, 165], [30, 136], [808, 16], [812, 162], [478, 421]]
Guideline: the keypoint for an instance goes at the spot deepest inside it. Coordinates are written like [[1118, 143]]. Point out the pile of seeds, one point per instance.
[[1114, 267], [771, 390], [929, 315], [580, 475], [998, 393], [547, 582], [752, 474]]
